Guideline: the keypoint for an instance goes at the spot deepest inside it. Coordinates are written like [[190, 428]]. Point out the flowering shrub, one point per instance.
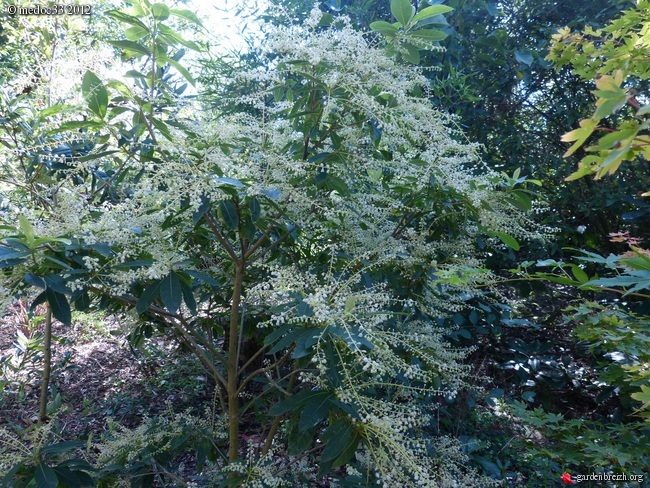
[[301, 246]]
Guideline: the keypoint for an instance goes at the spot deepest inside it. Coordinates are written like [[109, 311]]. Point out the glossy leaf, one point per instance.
[[431, 11], [171, 292], [228, 214], [524, 57], [341, 446], [148, 296], [384, 28], [254, 207], [402, 10], [94, 93], [160, 11], [508, 240], [187, 15], [315, 410], [59, 305], [181, 69], [45, 476]]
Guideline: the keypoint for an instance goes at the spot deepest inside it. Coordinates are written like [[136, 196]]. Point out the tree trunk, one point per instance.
[[47, 366]]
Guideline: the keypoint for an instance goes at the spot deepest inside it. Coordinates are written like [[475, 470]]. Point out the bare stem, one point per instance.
[[47, 366]]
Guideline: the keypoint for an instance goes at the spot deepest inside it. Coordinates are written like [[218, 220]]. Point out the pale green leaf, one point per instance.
[[384, 28], [431, 11], [402, 10]]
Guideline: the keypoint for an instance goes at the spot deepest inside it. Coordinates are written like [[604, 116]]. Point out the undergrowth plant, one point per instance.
[[300, 237]]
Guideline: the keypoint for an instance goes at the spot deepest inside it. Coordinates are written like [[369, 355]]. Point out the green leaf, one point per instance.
[[431, 11], [60, 306], [294, 402], [53, 110], [402, 10], [131, 47], [179, 67], [160, 11], [315, 411], [384, 28], [171, 292], [126, 18], [643, 110], [350, 302], [343, 442], [228, 214], [643, 396], [45, 476], [173, 37], [254, 207], [63, 447], [148, 296], [187, 15], [587, 126], [578, 272], [188, 296], [228, 182], [524, 57], [162, 127], [508, 240], [136, 32], [77, 125], [412, 54], [94, 93], [639, 261], [34, 280], [428, 34], [298, 441], [28, 230]]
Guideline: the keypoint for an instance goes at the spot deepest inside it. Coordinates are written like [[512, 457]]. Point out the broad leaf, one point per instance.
[[228, 214], [94, 93], [59, 305], [431, 11], [384, 28], [587, 126], [136, 33], [341, 446], [402, 10], [160, 11], [315, 410], [179, 67], [254, 207], [171, 292], [45, 476], [508, 240], [187, 15], [148, 296], [294, 402], [524, 57], [412, 54]]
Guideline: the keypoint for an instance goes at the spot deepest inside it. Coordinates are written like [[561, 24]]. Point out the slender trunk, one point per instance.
[[276, 420], [232, 366], [47, 366]]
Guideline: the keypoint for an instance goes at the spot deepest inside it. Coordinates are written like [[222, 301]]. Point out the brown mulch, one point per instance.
[[95, 372]]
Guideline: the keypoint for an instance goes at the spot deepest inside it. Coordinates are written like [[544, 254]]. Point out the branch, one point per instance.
[[251, 376], [250, 361], [224, 242], [259, 242]]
